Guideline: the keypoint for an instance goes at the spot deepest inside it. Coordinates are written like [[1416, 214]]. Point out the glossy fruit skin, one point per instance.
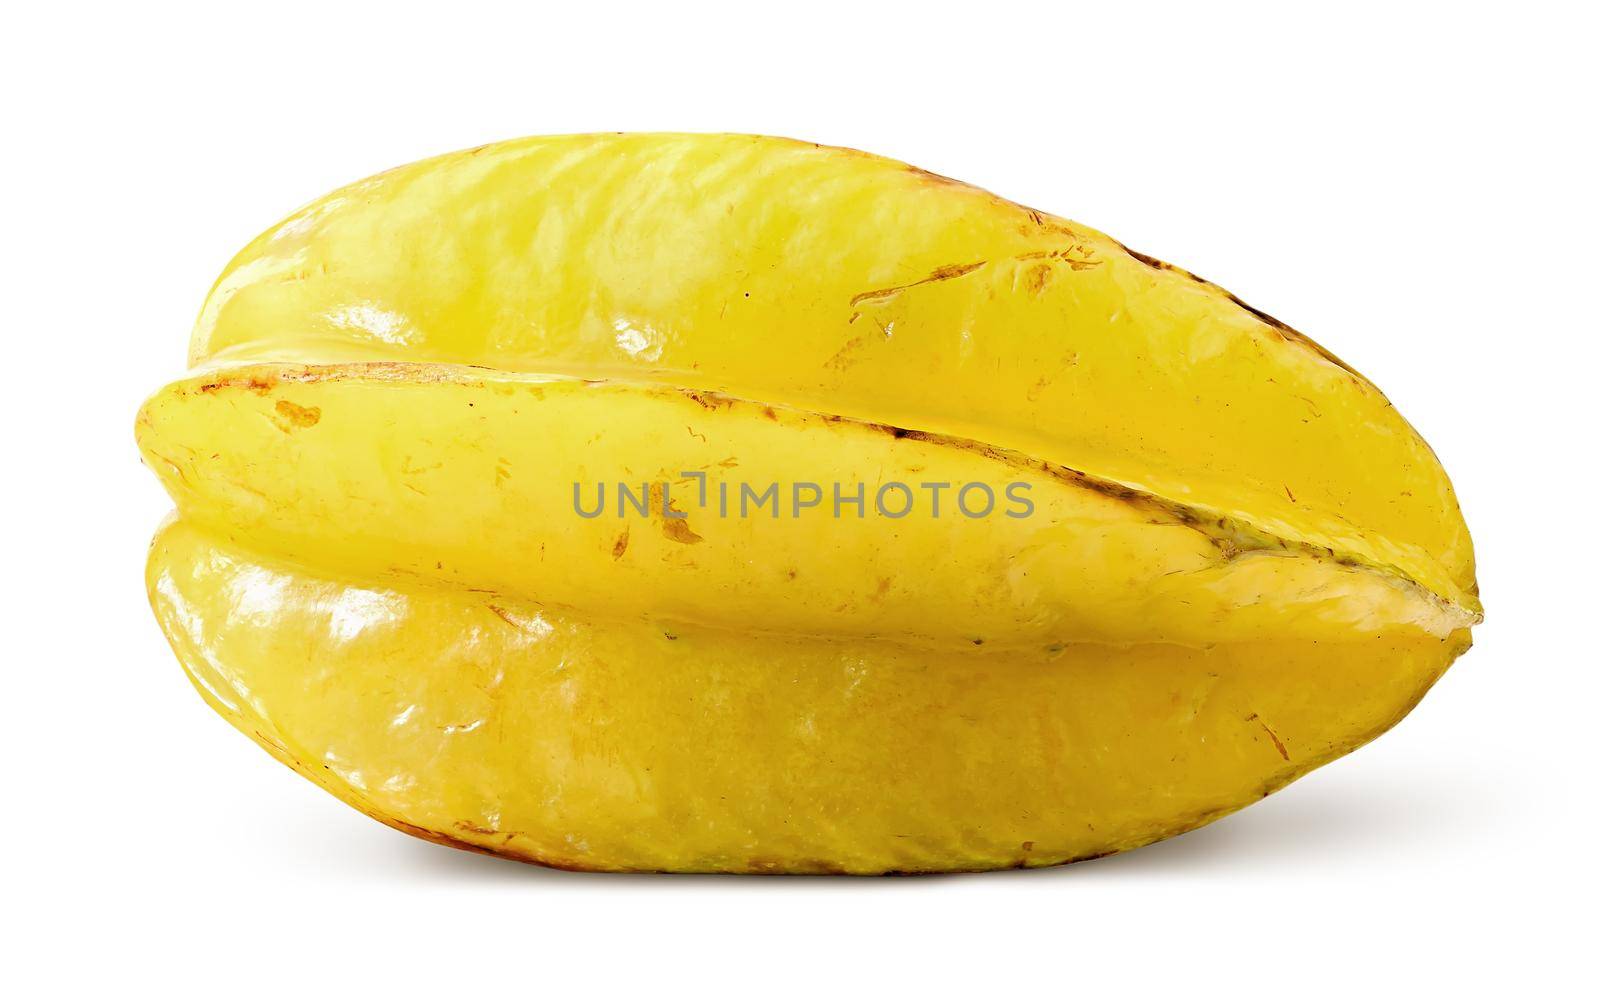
[[376, 572]]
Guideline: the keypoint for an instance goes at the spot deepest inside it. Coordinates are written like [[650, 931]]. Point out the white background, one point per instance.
[[1413, 186]]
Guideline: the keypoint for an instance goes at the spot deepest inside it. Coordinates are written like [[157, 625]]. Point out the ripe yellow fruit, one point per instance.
[[1205, 557]]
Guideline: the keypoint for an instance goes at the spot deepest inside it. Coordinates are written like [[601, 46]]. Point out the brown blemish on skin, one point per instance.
[[1043, 221], [1083, 261], [843, 357], [678, 531], [299, 416], [941, 274], [1036, 278], [1076, 256], [476, 829], [707, 400], [507, 617], [673, 527], [953, 271], [883, 589], [1283, 750], [259, 385], [620, 547]]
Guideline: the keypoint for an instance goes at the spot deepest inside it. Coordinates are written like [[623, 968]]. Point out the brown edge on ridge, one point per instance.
[[1284, 330]]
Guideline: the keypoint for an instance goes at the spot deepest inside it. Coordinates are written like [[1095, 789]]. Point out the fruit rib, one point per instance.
[[533, 732], [467, 478]]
